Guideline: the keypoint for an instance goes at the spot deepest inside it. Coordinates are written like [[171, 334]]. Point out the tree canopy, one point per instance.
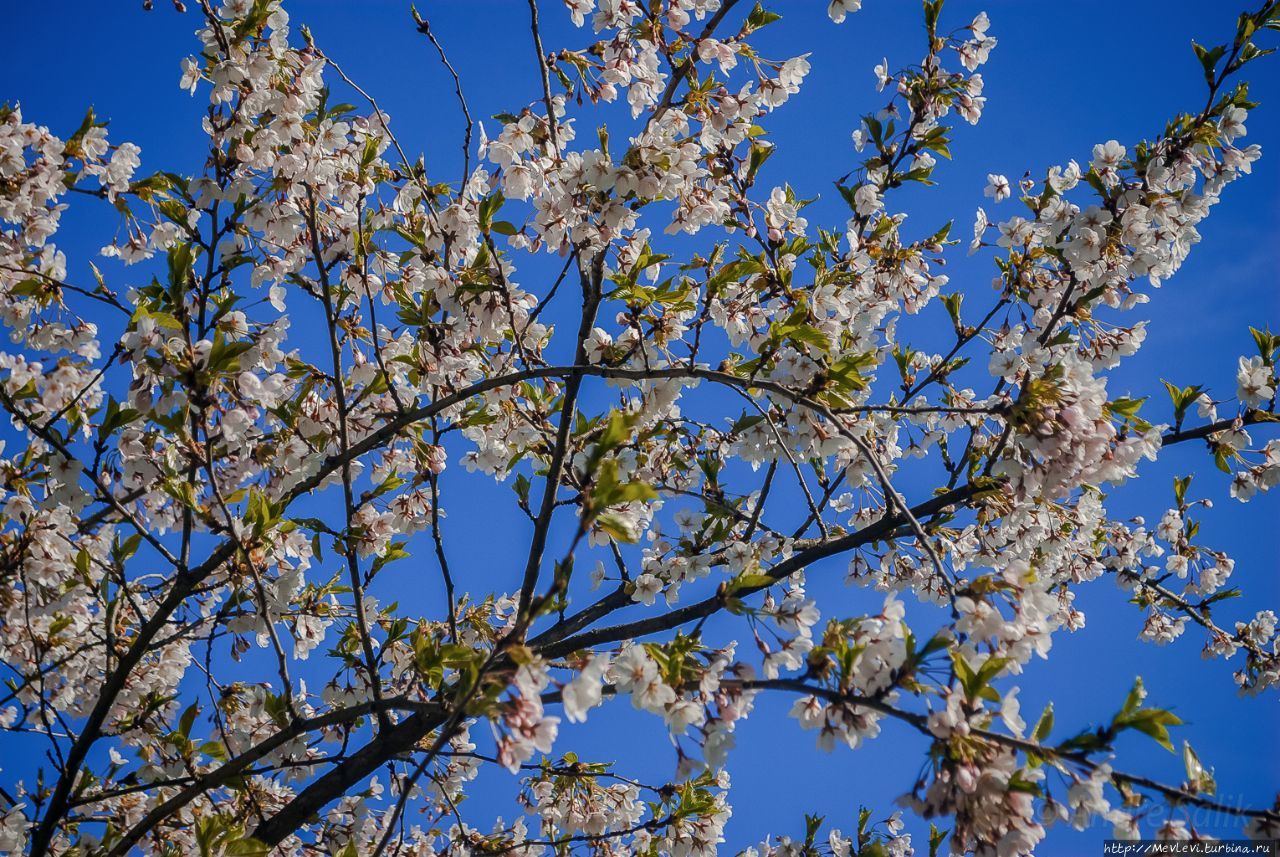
[[229, 440]]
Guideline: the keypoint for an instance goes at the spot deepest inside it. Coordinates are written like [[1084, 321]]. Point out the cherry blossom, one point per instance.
[[260, 409]]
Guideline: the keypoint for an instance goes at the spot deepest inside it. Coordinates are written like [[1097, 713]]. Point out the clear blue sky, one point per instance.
[[1065, 76]]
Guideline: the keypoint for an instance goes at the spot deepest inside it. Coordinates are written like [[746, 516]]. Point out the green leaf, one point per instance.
[[760, 17], [181, 258], [936, 838], [488, 207], [1154, 722], [952, 303], [1267, 343], [616, 528], [750, 581], [609, 491], [1209, 59], [964, 673], [1135, 696], [760, 152], [1044, 725], [188, 720], [1180, 485], [1126, 410], [932, 10], [1199, 780]]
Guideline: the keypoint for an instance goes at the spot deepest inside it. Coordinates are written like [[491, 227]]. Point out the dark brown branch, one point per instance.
[[545, 74], [424, 27]]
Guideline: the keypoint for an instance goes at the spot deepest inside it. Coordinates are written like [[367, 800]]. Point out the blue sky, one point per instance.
[[1059, 82]]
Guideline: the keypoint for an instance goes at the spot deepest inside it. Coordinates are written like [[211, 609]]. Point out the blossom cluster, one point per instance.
[[292, 362]]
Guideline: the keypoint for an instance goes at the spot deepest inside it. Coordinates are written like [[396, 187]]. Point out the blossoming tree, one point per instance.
[[186, 483]]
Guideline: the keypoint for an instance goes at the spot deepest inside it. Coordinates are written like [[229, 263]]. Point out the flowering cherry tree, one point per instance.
[[691, 428]]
